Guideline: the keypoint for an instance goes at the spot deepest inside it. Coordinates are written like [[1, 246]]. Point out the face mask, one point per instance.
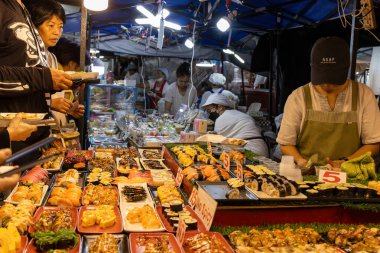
[[160, 79], [213, 116]]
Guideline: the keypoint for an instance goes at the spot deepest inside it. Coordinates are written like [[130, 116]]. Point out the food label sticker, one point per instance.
[[205, 207], [240, 172], [226, 161], [179, 177], [209, 148], [181, 231], [193, 197], [330, 176]]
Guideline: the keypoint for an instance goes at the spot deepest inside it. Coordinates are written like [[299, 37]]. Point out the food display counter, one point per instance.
[[119, 198]]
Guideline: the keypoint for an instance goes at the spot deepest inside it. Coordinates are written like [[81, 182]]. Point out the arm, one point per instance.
[[293, 151], [21, 80]]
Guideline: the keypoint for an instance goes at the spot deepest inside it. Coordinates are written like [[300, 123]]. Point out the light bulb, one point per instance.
[[189, 43], [239, 58], [96, 5], [223, 24]]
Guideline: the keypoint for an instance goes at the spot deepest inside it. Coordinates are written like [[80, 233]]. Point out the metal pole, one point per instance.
[[243, 100], [270, 73], [81, 123], [353, 44]]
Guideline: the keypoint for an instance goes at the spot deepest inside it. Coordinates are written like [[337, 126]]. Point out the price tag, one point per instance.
[[330, 176], [205, 207], [193, 197], [181, 231], [240, 171], [226, 161], [179, 177], [209, 148]]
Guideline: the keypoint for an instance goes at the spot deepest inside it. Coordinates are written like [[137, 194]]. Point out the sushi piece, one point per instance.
[[191, 223], [370, 193], [173, 220], [236, 183], [303, 188], [176, 206], [312, 193], [342, 191], [233, 194]]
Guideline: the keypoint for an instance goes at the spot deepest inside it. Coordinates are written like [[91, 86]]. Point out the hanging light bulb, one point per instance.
[[96, 5], [239, 58], [228, 51], [189, 43], [223, 24]]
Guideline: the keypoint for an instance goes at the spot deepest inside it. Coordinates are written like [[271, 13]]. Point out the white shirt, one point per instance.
[[295, 110], [236, 124], [176, 99]]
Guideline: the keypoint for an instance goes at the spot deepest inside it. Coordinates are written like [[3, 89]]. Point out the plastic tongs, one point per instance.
[[14, 169]]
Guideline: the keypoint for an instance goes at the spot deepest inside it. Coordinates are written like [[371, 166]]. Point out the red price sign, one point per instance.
[[240, 171], [179, 177], [193, 197], [226, 161], [209, 148], [181, 231], [329, 176]]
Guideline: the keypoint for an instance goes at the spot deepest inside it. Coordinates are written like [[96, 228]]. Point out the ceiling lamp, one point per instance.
[[239, 58], [155, 20], [205, 64], [228, 51], [96, 5], [223, 24], [189, 43]]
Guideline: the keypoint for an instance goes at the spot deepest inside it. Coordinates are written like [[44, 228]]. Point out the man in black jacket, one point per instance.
[[25, 79]]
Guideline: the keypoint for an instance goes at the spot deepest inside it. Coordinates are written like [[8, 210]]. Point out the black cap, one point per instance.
[[330, 61]]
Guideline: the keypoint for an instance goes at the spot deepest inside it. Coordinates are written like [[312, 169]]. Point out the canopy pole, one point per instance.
[[270, 73], [81, 123], [353, 43]]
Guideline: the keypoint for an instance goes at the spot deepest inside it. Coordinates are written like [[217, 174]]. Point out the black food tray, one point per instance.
[[218, 191], [121, 239]]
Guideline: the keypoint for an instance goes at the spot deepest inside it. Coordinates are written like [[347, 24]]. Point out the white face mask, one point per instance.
[[160, 79]]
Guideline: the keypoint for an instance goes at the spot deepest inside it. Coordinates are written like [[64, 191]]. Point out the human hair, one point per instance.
[[183, 70], [67, 51], [43, 10]]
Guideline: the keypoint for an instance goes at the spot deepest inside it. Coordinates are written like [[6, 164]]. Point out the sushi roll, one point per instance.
[[370, 193], [166, 211], [184, 213], [176, 206], [171, 215], [361, 191], [236, 183], [303, 188], [312, 193], [233, 194], [342, 191], [191, 223], [175, 227], [293, 187], [173, 220], [256, 184]]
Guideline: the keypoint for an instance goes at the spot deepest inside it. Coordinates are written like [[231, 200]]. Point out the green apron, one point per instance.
[[329, 134]]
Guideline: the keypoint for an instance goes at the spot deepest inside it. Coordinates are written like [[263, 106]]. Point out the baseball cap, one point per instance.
[[330, 61]]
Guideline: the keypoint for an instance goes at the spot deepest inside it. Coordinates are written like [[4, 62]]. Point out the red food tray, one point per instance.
[[40, 211], [224, 243], [24, 243], [200, 226], [33, 249], [117, 227], [136, 248]]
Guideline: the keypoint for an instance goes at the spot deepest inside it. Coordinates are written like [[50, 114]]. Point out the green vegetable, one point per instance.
[[50, 240]]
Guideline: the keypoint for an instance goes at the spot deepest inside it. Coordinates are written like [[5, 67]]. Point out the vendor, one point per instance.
[[23, 62], [181, 92], [217, 82], [49, 17], [160, 87], [232, 123], [336, 118], [132, 73]]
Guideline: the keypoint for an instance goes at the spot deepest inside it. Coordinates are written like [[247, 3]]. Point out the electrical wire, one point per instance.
[[191, 70]]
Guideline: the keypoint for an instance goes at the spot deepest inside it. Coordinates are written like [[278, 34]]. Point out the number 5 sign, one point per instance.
[[226, 161], [329, 176]]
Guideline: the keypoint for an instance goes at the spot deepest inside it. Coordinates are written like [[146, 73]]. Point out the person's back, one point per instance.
[[236, 124]]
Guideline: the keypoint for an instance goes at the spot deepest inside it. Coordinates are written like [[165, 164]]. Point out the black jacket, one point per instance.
[[24, 75]]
